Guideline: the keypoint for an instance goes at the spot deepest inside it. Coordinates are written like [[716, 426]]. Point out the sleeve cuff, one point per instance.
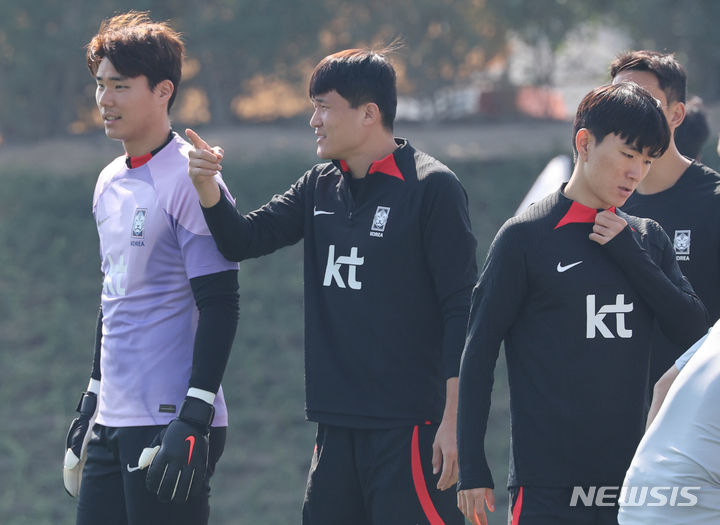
[[94, 386], [203, 395]]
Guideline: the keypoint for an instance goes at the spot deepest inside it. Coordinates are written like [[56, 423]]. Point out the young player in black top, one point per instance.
[[573, 286], [681, 194], [389, 267]]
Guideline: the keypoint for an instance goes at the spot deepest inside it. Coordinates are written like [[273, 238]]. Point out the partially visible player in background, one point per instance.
[[679, 193], [674, 477], [169, 303], [693, 132]]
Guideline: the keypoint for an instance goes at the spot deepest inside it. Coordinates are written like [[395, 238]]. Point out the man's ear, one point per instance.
[[676, 114], [371, 113], [164, 89], [583, 140]]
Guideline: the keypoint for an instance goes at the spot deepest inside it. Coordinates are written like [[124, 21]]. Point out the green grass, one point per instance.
[[49, 292]]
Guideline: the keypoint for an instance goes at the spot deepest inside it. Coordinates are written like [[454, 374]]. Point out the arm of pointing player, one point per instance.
[[203, 164], [445, 444], [278, 223]]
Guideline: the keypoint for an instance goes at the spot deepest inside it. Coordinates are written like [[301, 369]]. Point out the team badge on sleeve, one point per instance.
[[379, 221], [138, 226]]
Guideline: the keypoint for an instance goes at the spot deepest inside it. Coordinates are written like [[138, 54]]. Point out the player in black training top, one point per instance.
[[681, 194], [573, 287], [389, 268]]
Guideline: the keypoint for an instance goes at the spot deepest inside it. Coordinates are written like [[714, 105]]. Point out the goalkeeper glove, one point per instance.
[[177, 457], [77, 439]]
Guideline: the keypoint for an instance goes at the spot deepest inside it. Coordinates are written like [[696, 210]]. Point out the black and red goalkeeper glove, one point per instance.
[[178, 455]]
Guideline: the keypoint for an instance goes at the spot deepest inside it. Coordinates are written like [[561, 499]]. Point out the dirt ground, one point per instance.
[[84, 155]]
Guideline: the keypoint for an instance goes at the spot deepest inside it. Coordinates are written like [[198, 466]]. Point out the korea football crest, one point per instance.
[[379, 221], [138, 227], [682, 245]]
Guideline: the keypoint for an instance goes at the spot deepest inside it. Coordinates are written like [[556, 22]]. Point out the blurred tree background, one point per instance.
[[249, 60], [491, 84]]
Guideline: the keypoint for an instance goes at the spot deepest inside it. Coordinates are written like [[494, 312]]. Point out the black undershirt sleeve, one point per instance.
[[216, 296], [95, 374], [680, 312]]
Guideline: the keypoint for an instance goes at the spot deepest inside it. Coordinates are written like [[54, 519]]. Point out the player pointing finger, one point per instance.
[[203, 165]]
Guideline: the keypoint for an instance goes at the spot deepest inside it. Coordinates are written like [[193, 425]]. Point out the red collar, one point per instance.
[[387, 166], [136, 162], [579, 213]]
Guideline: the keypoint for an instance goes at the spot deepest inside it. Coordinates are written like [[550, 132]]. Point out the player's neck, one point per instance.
[[149, 141], [377, 148], [577, 190], [664, 172]]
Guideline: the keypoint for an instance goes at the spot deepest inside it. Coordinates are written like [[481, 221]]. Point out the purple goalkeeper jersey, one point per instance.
[[153, 239]]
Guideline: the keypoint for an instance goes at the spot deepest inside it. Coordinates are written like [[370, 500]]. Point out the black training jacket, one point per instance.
[[388, 276], [576, 318]]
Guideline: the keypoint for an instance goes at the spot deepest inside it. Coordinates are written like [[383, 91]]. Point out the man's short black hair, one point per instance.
[[671, 76], [359, 76], [628, 111]]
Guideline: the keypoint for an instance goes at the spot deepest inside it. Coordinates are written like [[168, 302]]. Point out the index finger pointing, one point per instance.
[[196, 140]]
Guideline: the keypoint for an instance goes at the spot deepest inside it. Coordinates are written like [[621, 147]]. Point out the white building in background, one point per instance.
[[579, 65]]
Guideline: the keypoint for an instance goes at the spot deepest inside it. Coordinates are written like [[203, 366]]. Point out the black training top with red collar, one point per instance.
[[575, 317], [689, 212], [579, 213], [388, 275]]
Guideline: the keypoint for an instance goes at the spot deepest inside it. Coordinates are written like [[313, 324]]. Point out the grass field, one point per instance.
[[49, 290]]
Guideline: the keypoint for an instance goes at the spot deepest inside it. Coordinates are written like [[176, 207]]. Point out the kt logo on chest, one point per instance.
[[596, 318], [333, 267]]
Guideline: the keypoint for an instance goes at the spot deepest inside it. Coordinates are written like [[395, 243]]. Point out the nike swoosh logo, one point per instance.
[[132, 469], [321, 212], [104, 220], [561, 268], [191, 440]]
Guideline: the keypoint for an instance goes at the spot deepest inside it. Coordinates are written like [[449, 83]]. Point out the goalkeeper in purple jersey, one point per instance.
[[153, 420]]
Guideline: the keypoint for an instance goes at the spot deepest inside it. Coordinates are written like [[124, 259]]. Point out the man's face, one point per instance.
[[614, 169], [338, 127], [649, 81], [127, 105]]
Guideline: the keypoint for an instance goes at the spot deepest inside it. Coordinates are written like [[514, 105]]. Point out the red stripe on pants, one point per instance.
[[517, 508], [419, 480]]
